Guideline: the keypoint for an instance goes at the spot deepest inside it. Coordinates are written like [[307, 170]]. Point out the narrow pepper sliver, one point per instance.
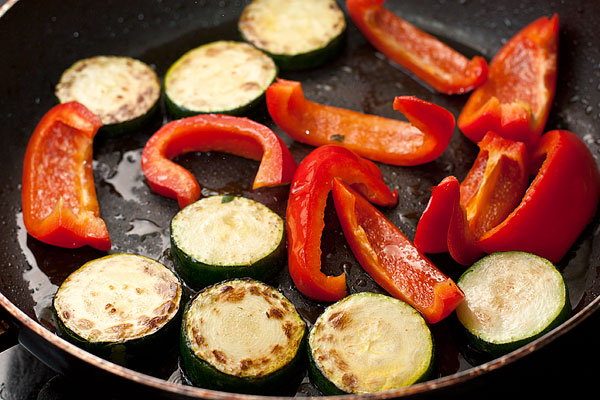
[[310, 187], [213, 132], [391, 259], [437, 64], [58, 194], [386, 140]]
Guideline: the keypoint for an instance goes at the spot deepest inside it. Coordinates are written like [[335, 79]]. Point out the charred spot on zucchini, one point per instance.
[[297, 34], [511, 298], [119, 306], [224, 237], [122, 91], [223, 77], [368, 343], [243, 336]]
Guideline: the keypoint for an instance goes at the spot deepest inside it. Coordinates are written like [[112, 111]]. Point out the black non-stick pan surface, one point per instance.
[[39, 39]]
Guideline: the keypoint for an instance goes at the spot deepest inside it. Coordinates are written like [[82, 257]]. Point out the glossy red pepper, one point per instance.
[[559, 203], [515, 100], [391, 259], [310, 187], [438, 65], [211, 132], [58, 195], [380, 139]]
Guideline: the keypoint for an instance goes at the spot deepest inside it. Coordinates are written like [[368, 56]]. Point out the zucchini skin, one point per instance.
[[283, 381], [126, 127], [311, 59], [198, 275], [500, 349], [129, 353]]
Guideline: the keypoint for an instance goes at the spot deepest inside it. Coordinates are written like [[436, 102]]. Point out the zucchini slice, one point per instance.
[[243, 336], [119, 306], [223, 237], [122, 91], [297, 34], [367, 343], [511, 298], [223, 77]]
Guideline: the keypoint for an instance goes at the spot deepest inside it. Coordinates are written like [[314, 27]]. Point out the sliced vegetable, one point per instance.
[[368, 343], [557, 206], [297, 34], [219, 77], [430, 60], [243, 336], [515, 100], [211, 132], [391, 259], [511, 298], [120, 307], [58, 195], [381, 139], [310, 187], [122, 91], [218, 238]]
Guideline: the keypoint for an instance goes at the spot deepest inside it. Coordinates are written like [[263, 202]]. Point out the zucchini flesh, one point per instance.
[[220, 77], [367, 343], [242, 336], [122, 91], [511, 298], [297, 34], [118, 306], [224, 237]]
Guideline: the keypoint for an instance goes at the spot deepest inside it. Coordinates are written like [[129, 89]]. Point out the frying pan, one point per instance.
[[38, 40]]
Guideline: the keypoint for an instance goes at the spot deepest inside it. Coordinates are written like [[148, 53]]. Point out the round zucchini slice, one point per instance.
[[511, 298], [367, 343], [224, 237], [119, 306], [122, 91], [223, 77], [297, 34], [243, 336]]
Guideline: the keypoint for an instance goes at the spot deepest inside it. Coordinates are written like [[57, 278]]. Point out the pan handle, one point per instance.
[[8, 329]]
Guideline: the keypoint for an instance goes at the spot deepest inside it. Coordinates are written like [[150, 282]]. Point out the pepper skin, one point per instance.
[[310, 187], [557, 206], [391, 259], [438, 65], [58, 194], [380, 139], [212, 132], [492, 189], [515, 100]]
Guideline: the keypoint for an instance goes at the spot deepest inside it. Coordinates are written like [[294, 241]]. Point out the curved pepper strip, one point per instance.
[[460, 214], [58, 195], [557, 206], [380, 139], [438, 65], [310, 187], [212, 132], [515, 100], [391, 259]]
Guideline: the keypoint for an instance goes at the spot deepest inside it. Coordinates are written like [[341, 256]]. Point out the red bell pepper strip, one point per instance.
[[58, 195], [459, 214], [557, 206], [515, 100], [391, 259], [211, 132], [310, 187], [438, 65], [380, 139]]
